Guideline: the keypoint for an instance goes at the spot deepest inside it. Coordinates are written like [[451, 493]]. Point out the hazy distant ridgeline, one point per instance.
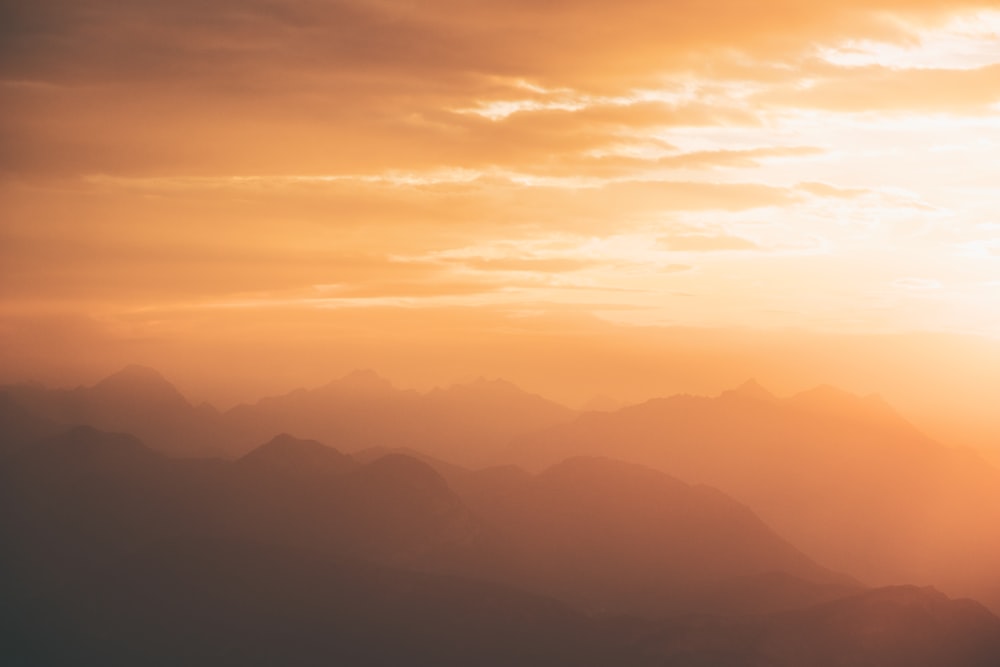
[[842, 477], [600, 534], [118, 547], [117, 555], [467, 423]]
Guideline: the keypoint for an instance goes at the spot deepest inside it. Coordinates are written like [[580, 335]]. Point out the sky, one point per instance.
[[303, 186]]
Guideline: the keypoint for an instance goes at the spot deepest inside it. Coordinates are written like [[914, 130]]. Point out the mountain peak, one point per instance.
[[290, 454], [139, 382], [750, 389], [134, 373]]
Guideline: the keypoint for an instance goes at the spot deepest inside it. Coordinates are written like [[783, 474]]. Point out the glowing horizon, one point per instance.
[[353, 184], [834, 161]]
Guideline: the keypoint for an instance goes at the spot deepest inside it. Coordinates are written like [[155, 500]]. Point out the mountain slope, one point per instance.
[[614, 536], [466, 424], [298, 554], [842, 477], [74, 501], [134, 400], [598, 534]]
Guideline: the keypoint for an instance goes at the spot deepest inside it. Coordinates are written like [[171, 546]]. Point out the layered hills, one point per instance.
[[468, 423], [837, 474], [742, 529]]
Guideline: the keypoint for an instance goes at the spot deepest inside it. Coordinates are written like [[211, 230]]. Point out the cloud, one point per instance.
[[300, 86], [183, 152], [884, 89], [704, 242], [827, 190], [527, 264]]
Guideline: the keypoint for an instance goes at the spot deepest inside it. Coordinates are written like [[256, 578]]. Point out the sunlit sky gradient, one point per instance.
[[824, 166]]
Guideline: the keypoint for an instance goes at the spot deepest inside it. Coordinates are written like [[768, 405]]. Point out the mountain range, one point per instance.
[[742, 529], [468, 423], [598, 534], [837, 474]]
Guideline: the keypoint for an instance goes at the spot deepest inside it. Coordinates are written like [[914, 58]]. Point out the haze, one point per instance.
[[441, 193], [558, 236]]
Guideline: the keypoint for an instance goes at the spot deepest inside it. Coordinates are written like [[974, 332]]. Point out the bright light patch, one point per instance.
[[966, 42]]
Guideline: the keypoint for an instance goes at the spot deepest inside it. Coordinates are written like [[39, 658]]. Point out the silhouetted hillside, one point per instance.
[[613, 536], [298, 554], [134, 400], [85, 497], [844, 478], [637, 540], [467, 424]]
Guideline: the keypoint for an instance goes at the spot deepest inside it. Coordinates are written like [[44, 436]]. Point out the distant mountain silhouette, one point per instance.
[[467, 424], [451, 472], [86, 497], [750, 389], [135, 400], [844, 478], [680, 547], [637, 539], [362, 382], [298, 554], [139, 385], [613, 536], [286, 454]]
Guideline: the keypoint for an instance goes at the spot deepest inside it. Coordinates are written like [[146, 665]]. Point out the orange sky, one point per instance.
[[309, 186]]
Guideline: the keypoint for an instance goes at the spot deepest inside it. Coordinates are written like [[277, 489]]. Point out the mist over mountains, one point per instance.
[[839, 475], [358, 411], [361, 524]]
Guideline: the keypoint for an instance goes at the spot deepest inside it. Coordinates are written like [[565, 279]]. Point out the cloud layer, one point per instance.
[[780, 163]]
